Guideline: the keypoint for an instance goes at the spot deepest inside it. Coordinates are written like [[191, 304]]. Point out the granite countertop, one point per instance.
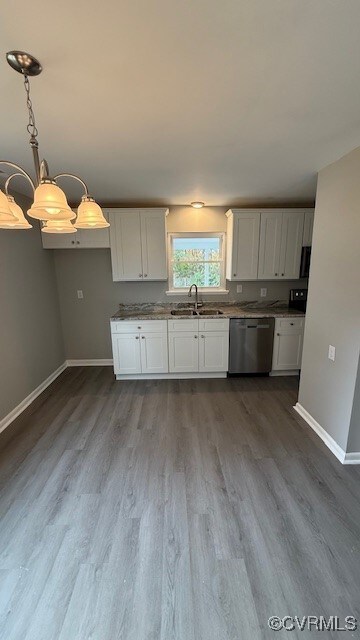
[[160, 311]]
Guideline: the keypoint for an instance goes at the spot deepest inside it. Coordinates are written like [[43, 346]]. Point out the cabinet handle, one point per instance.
[[195, 337], [145, 275], [203, 336], [140, 275]]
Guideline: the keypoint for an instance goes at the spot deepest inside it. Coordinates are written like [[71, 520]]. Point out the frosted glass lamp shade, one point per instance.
[[50, 203], [6, 214], [58, 226], [90, 215], [19, 221]]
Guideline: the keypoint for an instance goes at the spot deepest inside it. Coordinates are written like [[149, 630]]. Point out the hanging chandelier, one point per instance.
[[50, 205]]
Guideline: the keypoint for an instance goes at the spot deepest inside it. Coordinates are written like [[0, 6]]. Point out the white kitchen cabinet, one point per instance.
[[140, 347], [288, 342], [154, 352], [308, 227], [138, 244], [126, 353], [291, 244], [203, 349], [214, 351], [281, 235], [243, 235], [82, 239], [183, 352]]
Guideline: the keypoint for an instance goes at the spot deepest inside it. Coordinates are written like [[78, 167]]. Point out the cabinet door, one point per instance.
[[126, 353], [270, 243], [125, 244], [291, 244], [214, 351], [94, 238], [308, 227], [154, 352], [153, 244], [59, 240], [183, 352], [288, 341], [243, 236]]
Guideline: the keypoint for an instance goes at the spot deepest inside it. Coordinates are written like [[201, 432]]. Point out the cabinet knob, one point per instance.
[[203, 336], [140, 275], [291, 324], [283, 274], [195, 337], [77, 241], [234, 274], [145, 275], [276, 274], [136, 337], [278, 334], [139, 327], [72, 241], [142, 337]]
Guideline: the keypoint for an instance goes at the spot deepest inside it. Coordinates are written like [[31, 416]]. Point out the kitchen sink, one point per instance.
[[210, 312], [183, 312]]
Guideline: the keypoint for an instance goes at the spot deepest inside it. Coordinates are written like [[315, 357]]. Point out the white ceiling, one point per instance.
[[168, 101]]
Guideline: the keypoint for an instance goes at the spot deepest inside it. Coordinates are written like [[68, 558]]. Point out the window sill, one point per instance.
[[207, 292]]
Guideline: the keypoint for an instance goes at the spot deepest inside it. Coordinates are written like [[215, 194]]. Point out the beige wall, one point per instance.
[[31, 345], [86, 322], [333, 313]]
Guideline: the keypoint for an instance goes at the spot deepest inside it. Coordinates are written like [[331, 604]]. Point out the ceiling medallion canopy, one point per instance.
[[50, 205]]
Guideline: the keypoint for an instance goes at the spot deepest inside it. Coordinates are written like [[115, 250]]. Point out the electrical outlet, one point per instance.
[[239, 288], [80, 294], [263, 292], [331, 354]]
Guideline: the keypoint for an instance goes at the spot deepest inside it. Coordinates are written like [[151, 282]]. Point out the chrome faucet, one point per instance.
[[196, 295]]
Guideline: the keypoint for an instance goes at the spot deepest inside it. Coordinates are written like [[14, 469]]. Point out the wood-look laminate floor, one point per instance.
[[172, 510]]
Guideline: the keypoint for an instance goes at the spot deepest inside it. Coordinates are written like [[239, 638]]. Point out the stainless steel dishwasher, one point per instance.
[[251, 345]]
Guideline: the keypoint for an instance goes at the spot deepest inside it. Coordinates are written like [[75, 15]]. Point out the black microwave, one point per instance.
[[305, 262]]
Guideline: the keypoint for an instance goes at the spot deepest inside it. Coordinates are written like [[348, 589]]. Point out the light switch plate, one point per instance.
[[80, 294], [239, 288], [263, 292], [331, 354]]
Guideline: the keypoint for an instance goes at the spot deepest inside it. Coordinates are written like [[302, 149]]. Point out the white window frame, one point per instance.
[[198, 234]]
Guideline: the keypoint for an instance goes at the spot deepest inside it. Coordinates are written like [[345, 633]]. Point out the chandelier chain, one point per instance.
[[31, 127]]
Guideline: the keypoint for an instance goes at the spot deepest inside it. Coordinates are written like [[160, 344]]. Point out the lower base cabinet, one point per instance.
[[140, 348], [288, 343], [204, 349]]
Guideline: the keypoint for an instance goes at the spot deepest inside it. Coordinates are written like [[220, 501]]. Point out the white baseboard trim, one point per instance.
[[352, 458], [90, 363], [325, 437], [4, 422]]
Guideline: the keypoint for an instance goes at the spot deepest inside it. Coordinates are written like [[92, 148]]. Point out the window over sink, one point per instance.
[[196, 258]]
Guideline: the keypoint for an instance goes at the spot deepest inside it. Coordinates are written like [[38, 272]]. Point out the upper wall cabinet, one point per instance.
[[281, 236], [308, 227], [243, 232], [82, 239], [138, 244]]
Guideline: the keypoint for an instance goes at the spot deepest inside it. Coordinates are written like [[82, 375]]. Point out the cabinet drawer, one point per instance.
[[214, 324], [289, 325], [133, 326], [187, 324]]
